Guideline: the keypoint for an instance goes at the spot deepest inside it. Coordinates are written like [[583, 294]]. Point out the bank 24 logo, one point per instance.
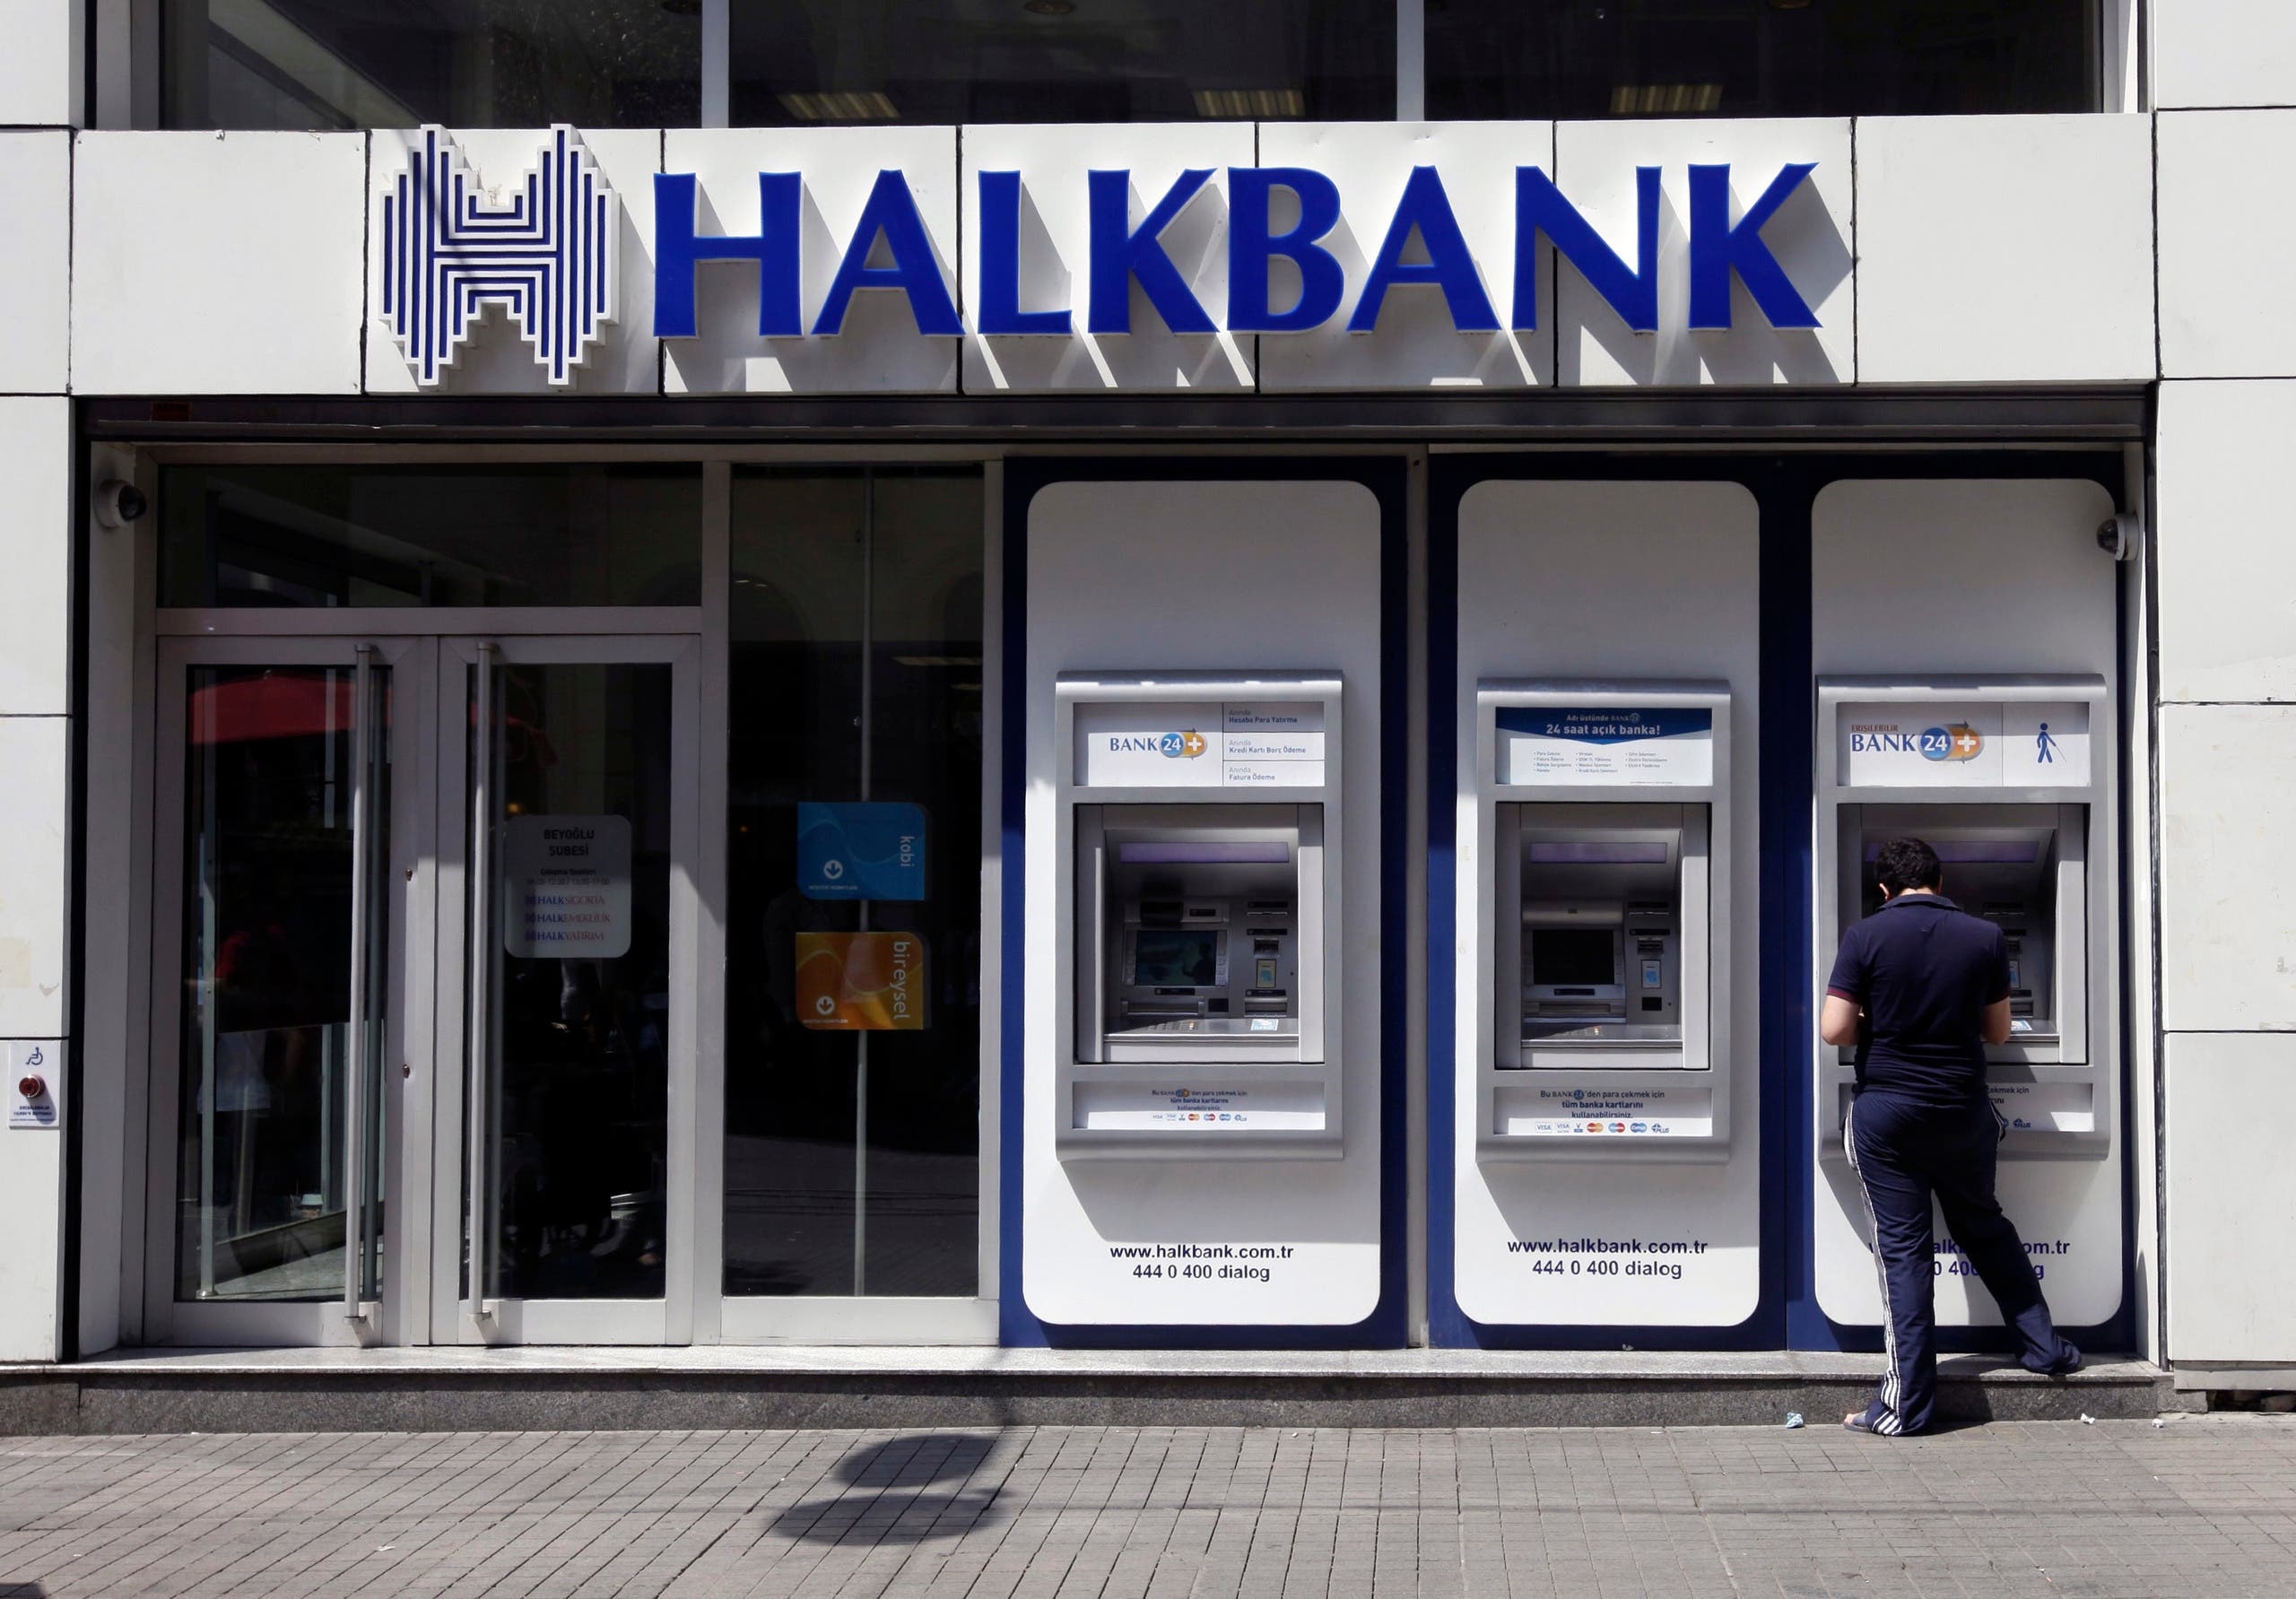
[[1180, 746], [1956, 742]]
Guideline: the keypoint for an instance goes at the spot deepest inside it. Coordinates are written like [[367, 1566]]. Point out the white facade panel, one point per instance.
[[2228, 923], [2223, 257], [880, 349], [1415, 344], [2231, 1197], [2223, 52], [35, 262], [217, 262], [1055, 249], [2005, 249], [2227, 573], [1996, 577], [36, 552], [1810, 235], [1619, 581], [497, 360], [34, 751], [1116, 576], [40, 71]]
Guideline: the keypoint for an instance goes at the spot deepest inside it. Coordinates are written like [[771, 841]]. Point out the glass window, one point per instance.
[[1594, 59], [315, 64], [853, 1107], [946, 61], [323, 535], [262, 1206]]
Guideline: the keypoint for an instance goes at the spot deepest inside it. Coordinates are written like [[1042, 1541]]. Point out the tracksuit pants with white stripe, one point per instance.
[[1903, 1152]]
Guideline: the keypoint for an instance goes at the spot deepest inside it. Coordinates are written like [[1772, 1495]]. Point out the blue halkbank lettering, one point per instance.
[[1123, 253]]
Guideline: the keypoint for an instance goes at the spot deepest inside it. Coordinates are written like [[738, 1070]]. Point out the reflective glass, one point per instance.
[[266, 998], [289, 537], [852, 1122], [1593, 58], [320, 63], [577, 1034], [946, 61]]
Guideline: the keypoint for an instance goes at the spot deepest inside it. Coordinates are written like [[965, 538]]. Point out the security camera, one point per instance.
[[118, 502], [2119, 537]]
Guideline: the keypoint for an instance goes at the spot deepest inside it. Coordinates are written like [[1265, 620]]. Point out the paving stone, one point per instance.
[[2201, 1505]]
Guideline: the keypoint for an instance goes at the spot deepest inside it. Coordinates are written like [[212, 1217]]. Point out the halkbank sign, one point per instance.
[[545, 249]]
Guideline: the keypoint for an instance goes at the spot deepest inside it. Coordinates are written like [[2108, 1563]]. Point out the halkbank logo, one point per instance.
[[549, 255]]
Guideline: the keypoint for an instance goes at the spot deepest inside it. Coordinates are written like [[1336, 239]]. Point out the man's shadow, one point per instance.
[[892, 1494]]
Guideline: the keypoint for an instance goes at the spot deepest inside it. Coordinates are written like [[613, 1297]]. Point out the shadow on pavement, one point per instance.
[[893, 1495]]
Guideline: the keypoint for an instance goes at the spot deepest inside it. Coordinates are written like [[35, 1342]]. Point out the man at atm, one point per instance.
[[1920, 988]]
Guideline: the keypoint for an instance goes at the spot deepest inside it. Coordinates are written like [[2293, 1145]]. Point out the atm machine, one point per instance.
[[1200, 835], [1603, 817], [2009, 779]]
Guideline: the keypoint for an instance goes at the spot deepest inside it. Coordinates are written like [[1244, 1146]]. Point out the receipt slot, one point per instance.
[[1200, 822], [2008, 779], [1605, 820]]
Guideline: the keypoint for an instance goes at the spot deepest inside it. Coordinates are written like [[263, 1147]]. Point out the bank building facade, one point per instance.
[[991, 698]]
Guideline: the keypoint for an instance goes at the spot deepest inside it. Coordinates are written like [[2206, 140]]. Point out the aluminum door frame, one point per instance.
[[404, 1095]]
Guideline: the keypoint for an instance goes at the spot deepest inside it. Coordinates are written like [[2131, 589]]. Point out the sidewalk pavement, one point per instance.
[[2193, 1505]]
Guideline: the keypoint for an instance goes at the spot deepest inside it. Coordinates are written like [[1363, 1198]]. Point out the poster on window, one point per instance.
[[861, 982], [566, 887]]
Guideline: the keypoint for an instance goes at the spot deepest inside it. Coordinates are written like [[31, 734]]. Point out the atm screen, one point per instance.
[[1176, 958], [1573, 955]]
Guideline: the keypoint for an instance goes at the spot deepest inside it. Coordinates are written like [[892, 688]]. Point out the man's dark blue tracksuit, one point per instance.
[[1922, 1124]]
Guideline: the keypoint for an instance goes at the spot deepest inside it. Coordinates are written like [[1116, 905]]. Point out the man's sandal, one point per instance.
[[1861, 1423]]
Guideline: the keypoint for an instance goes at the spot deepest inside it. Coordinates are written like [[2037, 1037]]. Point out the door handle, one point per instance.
[[360, 1102], [480, 1051]]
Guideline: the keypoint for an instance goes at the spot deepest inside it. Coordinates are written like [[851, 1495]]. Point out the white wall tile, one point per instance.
[[32, 922], [1415, 345], [1056, 238], [35, 262], [2228, 920], [36, 552], [2226, 505], [41, 69], [2222, 52], [497, 360], [217, 262], [1999, 249], [2231, 1196], [880, 349], [2223, 257], [1810, 235]]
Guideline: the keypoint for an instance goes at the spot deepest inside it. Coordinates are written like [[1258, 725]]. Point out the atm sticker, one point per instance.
[[1603, 746], [1136, 744], [1963, 745]]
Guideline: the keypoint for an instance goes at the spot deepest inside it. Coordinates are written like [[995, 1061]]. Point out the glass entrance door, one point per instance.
[[568, 921], [288, 841]]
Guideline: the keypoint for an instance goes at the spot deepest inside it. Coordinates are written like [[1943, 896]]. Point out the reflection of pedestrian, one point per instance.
[[2045, 744]]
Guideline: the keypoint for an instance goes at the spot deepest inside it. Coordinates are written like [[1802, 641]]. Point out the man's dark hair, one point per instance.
[[1908, 863]]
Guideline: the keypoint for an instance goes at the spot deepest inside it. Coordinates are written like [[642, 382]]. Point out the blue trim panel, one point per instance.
[[1386, 1326]]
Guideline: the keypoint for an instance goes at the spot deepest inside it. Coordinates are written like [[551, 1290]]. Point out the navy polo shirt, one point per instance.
[[1925, 970]]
